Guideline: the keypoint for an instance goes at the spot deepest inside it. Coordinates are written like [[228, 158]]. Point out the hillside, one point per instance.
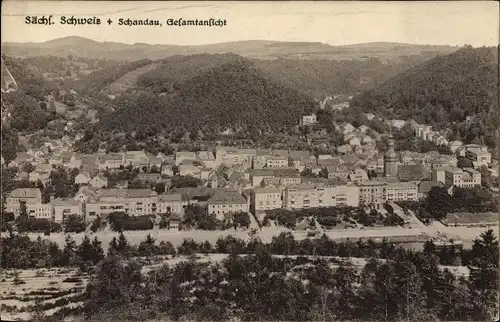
[[444, 92], [230, 96], [314, 77], [262, 49]]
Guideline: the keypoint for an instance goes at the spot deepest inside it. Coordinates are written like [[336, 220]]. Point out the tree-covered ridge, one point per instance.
[[27, 105], [173, 71], [231, 96], [319, 77], [457, 92], [100, 79]]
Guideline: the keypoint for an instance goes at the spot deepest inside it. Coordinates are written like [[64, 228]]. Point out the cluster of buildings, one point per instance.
[[242, 179]]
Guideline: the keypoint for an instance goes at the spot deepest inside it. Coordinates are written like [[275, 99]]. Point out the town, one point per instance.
[[229, 180], [320, 161]]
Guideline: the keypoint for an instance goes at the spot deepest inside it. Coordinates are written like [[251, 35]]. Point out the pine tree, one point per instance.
[[113, 247], [123, 247], [97, 251], [484, 276], [85, 251], [69, 256]]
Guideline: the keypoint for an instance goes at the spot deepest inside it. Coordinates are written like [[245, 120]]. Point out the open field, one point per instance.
[[52, 289]]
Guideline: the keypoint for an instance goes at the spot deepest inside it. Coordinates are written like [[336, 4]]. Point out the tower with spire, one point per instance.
[[391, 159]]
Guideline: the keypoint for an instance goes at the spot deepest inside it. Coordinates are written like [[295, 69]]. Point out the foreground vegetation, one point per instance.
[[262, 287]]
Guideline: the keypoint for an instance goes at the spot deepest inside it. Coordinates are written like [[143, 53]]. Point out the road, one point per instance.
[[437, 230]]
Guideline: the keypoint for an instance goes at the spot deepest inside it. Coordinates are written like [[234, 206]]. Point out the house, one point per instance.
[[111, 161], [21, 158], [26, 195], [339, 172], [167, 170], [174, 222], [363, 128], [344, 149], [36, 176], [225, 202], [346, 128], [479, 155], [367, 139], [149, 177], [207, 158], [170, 204], [277, 161], [155, 162], [184, 155], [454, 145], [308, 119], [358, 175], [414, 172], [370, 116], [263, 199], [83, 178], [136, 159], [354, 141], [85, 195], [122, 184], [63, 208], [99, 182], [189, 169]]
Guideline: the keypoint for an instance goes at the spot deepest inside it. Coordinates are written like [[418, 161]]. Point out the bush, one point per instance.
[[72, 280], [18, 281]]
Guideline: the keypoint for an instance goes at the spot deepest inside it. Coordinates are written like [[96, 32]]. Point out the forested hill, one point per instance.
[[456, 92], [315, 77], [229, 96]]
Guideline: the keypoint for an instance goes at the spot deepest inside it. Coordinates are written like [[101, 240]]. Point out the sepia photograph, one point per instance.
[[250, 161]]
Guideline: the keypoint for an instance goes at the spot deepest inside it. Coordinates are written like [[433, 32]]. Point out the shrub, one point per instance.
[[72, 280], [18, 281]]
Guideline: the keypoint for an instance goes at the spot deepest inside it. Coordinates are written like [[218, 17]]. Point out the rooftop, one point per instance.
[[267, 190], [26, 193], [170, 197], [226, 196]]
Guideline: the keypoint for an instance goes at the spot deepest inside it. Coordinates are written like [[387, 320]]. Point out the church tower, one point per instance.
[[391, 160]]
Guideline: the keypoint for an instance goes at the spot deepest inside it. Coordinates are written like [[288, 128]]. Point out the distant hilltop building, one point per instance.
[[308, 119], [391, 160]]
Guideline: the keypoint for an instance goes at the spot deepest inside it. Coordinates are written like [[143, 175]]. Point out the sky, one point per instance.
[[453, 23]]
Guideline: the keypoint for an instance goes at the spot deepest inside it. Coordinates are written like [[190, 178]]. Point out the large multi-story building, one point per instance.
[[372, 193], [402, 191], [266, 199], [135, 202], [63, 208], [170, 203], [454, 176], [30, 196], [231, 156], [479, 155], [277, 161], [319, 195], [225, 202]]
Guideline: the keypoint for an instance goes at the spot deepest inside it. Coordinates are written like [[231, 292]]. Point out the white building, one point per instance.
[[309, 119], [453, 176], [402, 191], [266, 199], [225, 202]]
